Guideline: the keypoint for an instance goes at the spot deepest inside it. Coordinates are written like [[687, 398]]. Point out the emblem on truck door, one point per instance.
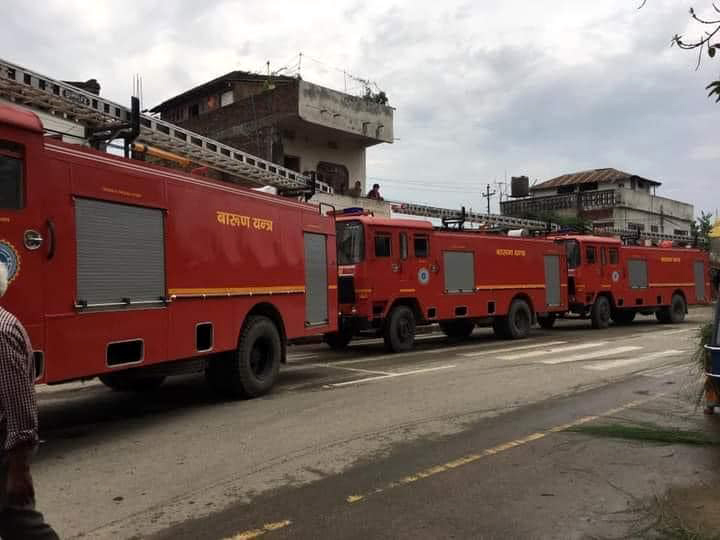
[[9, 256], [423, 276], [616, 276]]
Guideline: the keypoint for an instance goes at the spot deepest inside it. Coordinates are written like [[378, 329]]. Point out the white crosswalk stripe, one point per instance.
[[629, 361], [553, 350], [591, 355]]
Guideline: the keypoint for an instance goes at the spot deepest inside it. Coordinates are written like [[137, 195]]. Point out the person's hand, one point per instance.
[[20, 491]]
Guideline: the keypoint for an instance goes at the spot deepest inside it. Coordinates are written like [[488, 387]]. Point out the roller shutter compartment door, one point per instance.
[[120, 254], [459, 271], [637, 272], [552, 280], [316, 302], [699, 269]]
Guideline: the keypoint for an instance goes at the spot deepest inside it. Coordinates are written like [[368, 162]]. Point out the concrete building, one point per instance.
[[297, 124], [610, 198]]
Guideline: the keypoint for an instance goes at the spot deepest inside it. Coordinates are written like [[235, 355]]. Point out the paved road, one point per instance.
[[355, 444]]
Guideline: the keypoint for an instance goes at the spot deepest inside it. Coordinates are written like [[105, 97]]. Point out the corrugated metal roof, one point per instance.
[[601, 176]]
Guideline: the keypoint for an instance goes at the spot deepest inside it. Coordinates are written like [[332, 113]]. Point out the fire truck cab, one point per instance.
[[396, 274], [611, 281]]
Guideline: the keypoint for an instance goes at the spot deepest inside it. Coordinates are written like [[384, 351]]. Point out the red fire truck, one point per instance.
[[395, 274], [121, 269], [611, 281]]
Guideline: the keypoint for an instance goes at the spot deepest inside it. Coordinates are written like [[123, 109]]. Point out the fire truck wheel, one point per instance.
[[673, 314], [623, 316], [255, 365], [600, 313], [547, 321], [459, 329], [338, 340], [131, 382], [399, 333], [518, 321]]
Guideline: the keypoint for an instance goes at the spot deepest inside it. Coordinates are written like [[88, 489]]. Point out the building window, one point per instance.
[[654, 228], [636, 226], [681, 232], [382, 245], [226, 98], [421, 246], [590, 254], [194, 110], [292, 163], [335, 175]]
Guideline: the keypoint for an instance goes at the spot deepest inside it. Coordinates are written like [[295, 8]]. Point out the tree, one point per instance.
[[700, 229], [708, 42]]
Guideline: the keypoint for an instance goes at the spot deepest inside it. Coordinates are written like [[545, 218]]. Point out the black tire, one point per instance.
[[458, 329], [518, 321], [547, 321], [132, 382], [337, 341], [600, 313], [253, 368], [675, 312], [399, 334], [623, 316]]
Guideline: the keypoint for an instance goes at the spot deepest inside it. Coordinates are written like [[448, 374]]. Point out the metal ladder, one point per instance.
[[30, 89], [492, 220]]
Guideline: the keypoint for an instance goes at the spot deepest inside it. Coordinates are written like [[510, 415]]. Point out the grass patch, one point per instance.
[[648, 433]]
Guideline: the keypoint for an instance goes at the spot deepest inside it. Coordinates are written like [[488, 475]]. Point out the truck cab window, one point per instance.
[[11, 176], [403, 246], [421, 246], [382, 245], [590, 254], [603, 256], [572, 251], [613, 256], [350, 241]]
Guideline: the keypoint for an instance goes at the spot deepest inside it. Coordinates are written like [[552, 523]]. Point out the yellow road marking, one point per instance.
[[254, 533], [471, 458]]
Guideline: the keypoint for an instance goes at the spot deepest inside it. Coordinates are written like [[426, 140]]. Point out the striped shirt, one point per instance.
[[18, 407]]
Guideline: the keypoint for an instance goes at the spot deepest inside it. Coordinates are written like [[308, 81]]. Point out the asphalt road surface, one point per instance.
[[361, 444]]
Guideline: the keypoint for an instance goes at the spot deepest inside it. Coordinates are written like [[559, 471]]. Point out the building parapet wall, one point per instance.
[[587, 200], [653, 204], [343, 112], [340, 202]]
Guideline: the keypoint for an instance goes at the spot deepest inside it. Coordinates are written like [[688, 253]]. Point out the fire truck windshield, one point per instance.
[[350, 242], [572, 250]]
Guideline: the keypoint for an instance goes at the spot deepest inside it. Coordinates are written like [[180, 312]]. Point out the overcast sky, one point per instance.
[[481, 89]]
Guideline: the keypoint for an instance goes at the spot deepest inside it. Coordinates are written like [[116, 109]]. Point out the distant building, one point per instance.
[[294, 123], [609, 198]]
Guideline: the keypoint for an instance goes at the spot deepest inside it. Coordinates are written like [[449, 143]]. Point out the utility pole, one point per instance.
[[488, 194]]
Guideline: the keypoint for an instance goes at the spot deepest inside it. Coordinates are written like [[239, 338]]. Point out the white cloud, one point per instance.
[[539, 88]]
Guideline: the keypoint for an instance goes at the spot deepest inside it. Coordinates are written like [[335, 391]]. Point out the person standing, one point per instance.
[[356, 190], [374, 193], [18, 431]]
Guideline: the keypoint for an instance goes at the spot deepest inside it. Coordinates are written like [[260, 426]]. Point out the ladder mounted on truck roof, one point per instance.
[[455, 217], [30, 89]]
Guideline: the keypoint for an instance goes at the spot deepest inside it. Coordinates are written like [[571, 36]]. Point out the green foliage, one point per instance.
[[701, 357], [701, 227], [375, 97]]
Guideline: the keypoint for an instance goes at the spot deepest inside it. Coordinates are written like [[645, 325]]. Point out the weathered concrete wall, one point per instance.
[[328, 108], [311, 152], [643, 201]]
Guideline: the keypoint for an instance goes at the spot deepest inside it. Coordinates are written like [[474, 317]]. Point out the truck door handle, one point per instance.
[[51, 234], [32, 240]]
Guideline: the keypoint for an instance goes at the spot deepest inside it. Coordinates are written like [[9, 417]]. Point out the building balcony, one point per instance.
[[573, 202]]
